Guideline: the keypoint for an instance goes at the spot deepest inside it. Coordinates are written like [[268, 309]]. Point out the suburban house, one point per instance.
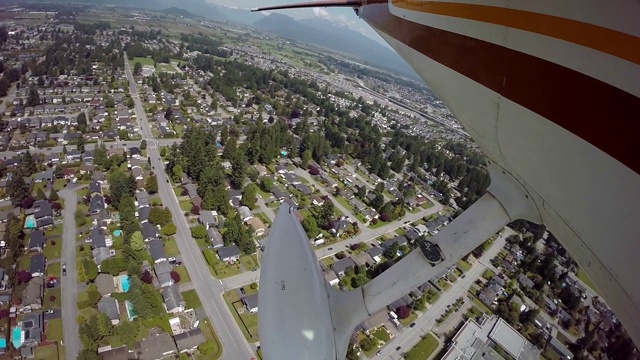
[[105, 284], [189, 340], [173, 301], [109, 306], [38, 263], [557, 347], [32, 294], [96, 205], [245, 213], [102, 254], [376, 254], [33, 328], [142, 199], [143, 214], [523, 280], [400, 240], [338, 227], [256, 226], [37, 240], [209, 218], [215, 237], [331, 277], [149, 232], [156, 248], [156, 347], [229, 253], [251, 303], [163, 273], [95, 188], [339, 267]]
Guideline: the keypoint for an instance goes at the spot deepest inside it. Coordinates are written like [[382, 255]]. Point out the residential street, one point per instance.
[[411, 336], [90, 146], [69, 282], [208, 288]]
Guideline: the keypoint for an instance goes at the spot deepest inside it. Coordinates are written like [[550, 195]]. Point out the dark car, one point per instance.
[[398, 348], [167, 181], [412, 325], [242, 290], [330, 249]]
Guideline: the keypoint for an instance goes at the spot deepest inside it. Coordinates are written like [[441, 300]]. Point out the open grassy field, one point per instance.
[[142, 60], [423, 349]]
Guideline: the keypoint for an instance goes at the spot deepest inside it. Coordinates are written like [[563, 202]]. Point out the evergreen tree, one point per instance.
[[238, 167], [53, 195], [40, 195], [33, 97], [249, 196], [17, 189]]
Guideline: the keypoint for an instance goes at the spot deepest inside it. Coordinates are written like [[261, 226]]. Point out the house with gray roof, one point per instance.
[[109, 306], [37, 265], [340, 266], [523, 280], [400, 240], [245, 213], [101, 254], [45, 176], [163, 273], [376, 254], [189, 340], [33, 328], [229, 253], [37, 240], [215, 237], [208, 218], [149, 232], [98, 238], [95, 188], [96, 204], [142, 199], [251, 302], [156, 248], [156, 347], [105, 284], [32, 294], [173, 301], [143, 214]]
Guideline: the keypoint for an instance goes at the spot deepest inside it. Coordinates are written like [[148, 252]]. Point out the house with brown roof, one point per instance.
[[256, 226]]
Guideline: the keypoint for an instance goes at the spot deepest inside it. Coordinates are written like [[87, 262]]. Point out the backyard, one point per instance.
[[247, 322]]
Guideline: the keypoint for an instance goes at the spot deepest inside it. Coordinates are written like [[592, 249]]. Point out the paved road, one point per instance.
[[208, 288], [90, 146], [411, 336], [70, 281]]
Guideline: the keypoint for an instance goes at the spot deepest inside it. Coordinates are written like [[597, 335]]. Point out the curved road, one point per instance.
[[70, 281], [210, 290]]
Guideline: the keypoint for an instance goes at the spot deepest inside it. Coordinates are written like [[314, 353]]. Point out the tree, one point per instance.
[[266, 184], [4, 86], [151, 184], [392, 251], [137, 68], [136, 241], [53, 195], [88, 354], [82, 119], [175, 276], [93, 295], [146, 277], [306, 159], [199, 232], [366, 344], [105, 327], [208, 348], [113, 266], [362, 192], [17, 189], [249, 196], [80, 144], [403, 312], [127, 331], [143, 144], [24, 277], [310, 226], [325, 213], [169, 229], [33, 97], [159, 216], [87, 270], [238, 166], [40, 195]]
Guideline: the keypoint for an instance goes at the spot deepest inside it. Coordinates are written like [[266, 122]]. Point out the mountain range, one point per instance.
[[316, 31]]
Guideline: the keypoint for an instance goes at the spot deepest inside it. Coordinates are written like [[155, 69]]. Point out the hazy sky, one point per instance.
[[343, 16]]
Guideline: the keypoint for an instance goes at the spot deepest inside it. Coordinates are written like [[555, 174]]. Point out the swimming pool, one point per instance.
[[16, 337], [125, 283], [30, 222], [131, 312], [3, 343], [117, 232]]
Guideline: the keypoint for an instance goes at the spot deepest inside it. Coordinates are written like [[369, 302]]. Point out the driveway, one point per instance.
[[70, 281]]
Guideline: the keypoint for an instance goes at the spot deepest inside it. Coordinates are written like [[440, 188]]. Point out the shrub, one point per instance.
[[52, 298], [175, 276], [146, 277], [4, 313], [24, 277], [340, 255], [81, 248], [17, 300], [253, 286], [403, 312], [53, 243]]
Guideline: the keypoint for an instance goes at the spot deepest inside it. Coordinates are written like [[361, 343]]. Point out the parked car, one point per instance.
[[48, 312], [412, 325], [398, 348], [242, 290]]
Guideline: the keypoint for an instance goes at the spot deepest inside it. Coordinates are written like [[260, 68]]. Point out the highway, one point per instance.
[[90, 146], [208, 288], [69, 282]]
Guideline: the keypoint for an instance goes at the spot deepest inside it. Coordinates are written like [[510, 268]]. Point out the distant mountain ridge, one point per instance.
[[326, 34]]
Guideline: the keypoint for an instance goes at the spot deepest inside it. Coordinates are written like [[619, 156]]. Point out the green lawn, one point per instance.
[[165, 67], [185, 205], [53, 251], [54, 329], [585, 279], [250, 262], [170, 247], [264, 218], [82, 297], [463, 265], [184, 274], [54, 270], [344, 202], [379, 224], [247, 322], [210, 335], [55, 232], [192, 299], [142, 61], [488, 274], [59, 184], [87, 313], [423, 349], [218, 268], [24, 263], [49, 352], [382, 335], [410, 319], [55, 304], [329, 260]]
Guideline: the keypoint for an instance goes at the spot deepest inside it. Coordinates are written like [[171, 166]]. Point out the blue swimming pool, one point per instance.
[[125, 283], [3, 343], [117, 232], [131, 312], [16, 337], [30, 222]]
